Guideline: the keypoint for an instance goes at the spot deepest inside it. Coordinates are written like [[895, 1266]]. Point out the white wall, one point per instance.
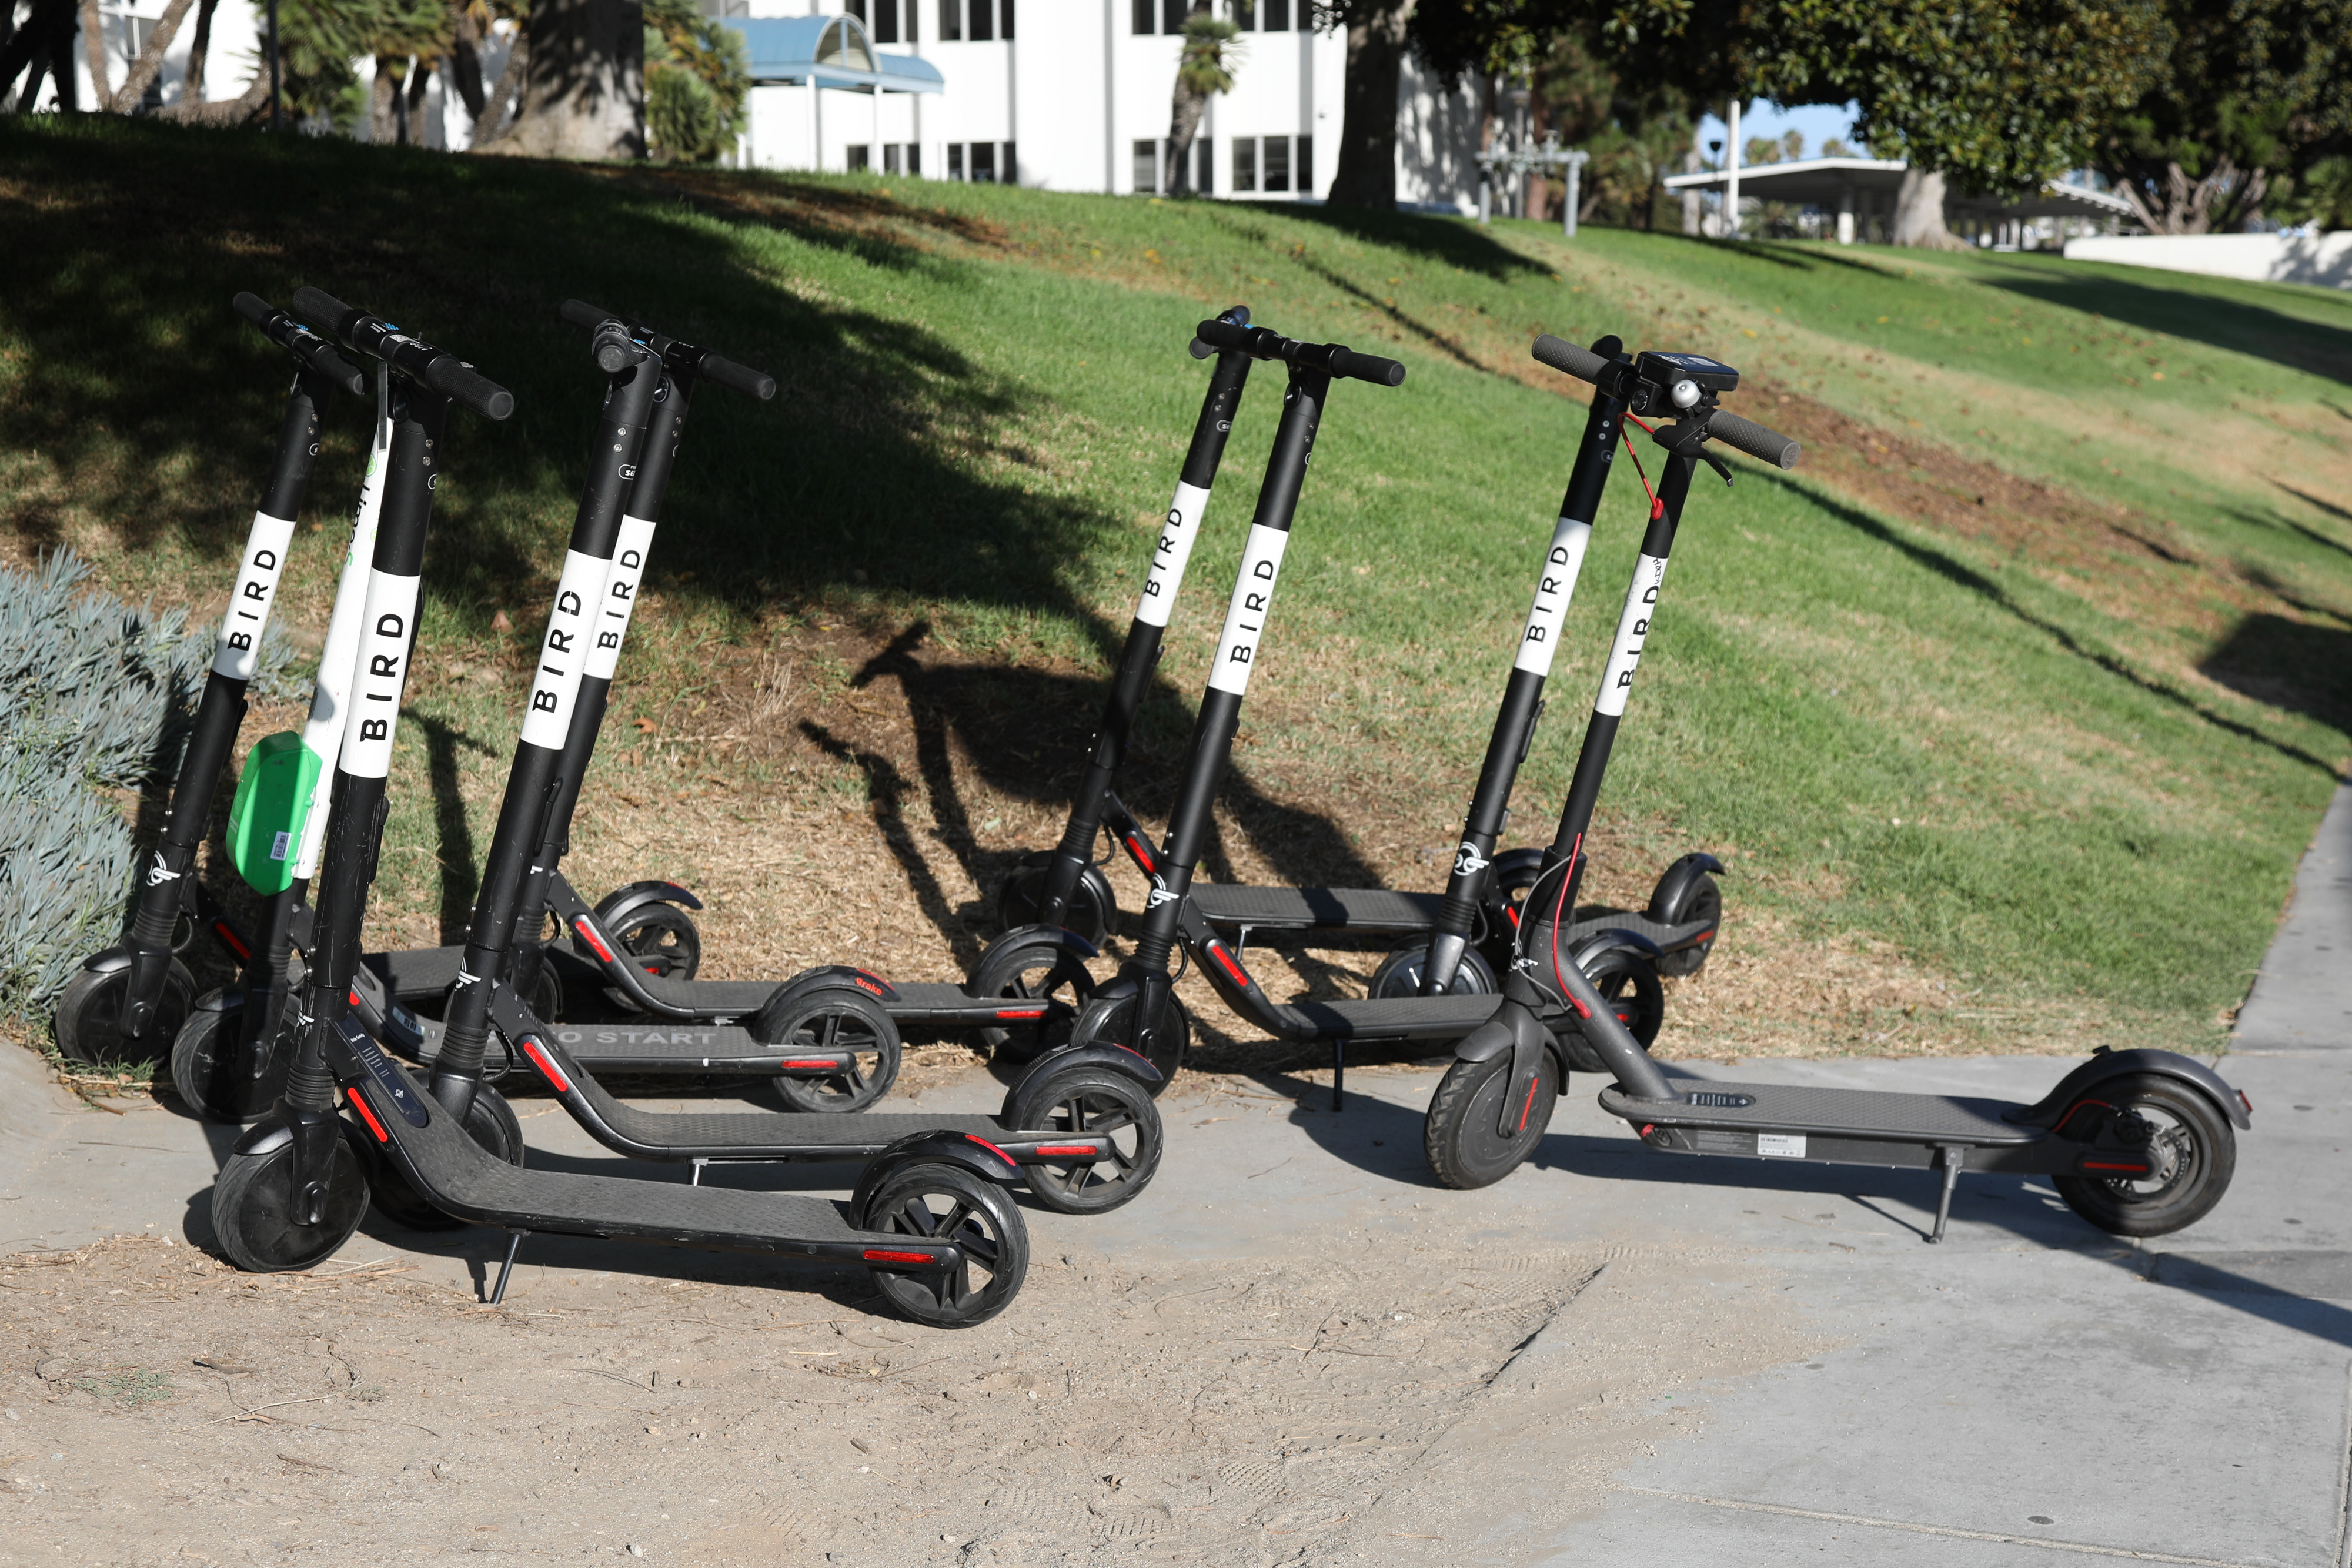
[[2325, 259]]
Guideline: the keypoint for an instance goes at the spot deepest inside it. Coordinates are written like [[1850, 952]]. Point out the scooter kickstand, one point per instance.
[[506, 1270], [1339, 1073], [1951, 1156]]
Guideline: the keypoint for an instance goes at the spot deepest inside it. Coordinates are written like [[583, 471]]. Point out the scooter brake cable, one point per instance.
[[1657, 508]]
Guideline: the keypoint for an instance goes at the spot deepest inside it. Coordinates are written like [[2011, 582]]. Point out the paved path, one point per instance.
[[2302, 1000]]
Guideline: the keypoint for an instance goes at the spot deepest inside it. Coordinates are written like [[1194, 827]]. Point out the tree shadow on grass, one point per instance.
[[2238, 325]]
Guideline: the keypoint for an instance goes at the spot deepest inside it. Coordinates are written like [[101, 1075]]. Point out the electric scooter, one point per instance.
[[931, 1218], [129, 1001], [1081, 1125], [1471, 923], [2138, 1142]]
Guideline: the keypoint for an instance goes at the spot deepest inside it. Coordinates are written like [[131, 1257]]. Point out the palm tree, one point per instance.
[[1210, 46]]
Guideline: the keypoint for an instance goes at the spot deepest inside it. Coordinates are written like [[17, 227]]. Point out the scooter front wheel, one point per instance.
[[1032, 970], [490, 1122], [946, 1203], [1092, 911], [2195, 1150], [1111, 1021], [1463, 1137], [253, 1210], [1095, 1102], [87, 1020], [210, 1070], [1401, 972], [825, 1023]]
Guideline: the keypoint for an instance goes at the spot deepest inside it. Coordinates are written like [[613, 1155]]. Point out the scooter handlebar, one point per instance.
[[317, 355], [1769, 446], [435, 368], [679, 357], [1562, 355], [1236, 314], [1332, 359]]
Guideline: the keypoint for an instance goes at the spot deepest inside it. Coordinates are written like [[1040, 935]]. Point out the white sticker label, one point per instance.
[[1553, 591], [322, 731], [611, 622], [249, 606], [1633, 631], [564, 653], [1246, 617], [379, 675], [1781, 1145], [279, 845], [1176, 536]]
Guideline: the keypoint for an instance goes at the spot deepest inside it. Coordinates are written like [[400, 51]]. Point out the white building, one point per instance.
[[1062, 95], [1074, 95]]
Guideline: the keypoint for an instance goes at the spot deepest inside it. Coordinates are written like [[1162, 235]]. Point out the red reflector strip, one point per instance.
[[1135, 847], [587, 929], [2113, 1165], [1021, 1013], [810, 1063], [1531, 1105], [540, 1059], [1228, 966], [875, 1255], [1049, 1150], [227, 933], [356, 998], [992, 1148], [351, 1099], [1703, 936], [1649, 1129]]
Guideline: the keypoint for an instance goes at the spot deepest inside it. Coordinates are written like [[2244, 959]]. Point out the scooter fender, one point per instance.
[[1093, 1023], [1115, 1058], [832, 976], [107, 960], [1516, 1029], [617, 905], [2108, 1065], [962, 1150], [263, 1136], [1675, 883], [1056, 935], [220, 999]]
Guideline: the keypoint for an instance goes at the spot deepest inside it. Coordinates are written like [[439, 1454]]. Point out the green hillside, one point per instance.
[[2031, 683]]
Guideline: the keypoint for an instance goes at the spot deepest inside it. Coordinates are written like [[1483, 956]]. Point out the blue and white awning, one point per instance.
[[831, 51]]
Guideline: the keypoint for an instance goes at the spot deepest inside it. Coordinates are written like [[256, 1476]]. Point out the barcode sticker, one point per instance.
[[1781, 1146], [280, 845]]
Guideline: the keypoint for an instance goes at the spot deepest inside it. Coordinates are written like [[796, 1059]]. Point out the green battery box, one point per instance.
[[265, 822]]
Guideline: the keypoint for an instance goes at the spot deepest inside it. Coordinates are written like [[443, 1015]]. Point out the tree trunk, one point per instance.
[[465, 62], [93, 49], [491, 122], [1919, 212], [412, 122], [28, 44], [1368, 95], [193, 89], [585, 94], [149, 60], [383, 127], [251, 104]]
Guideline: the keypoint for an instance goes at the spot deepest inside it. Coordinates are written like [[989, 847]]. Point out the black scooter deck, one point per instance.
[[911, 1002], [1234, 904], [1857, 1127], [1397, 1017]]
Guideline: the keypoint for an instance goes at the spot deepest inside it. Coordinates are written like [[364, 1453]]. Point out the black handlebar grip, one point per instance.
[[447, 376], [1223, 334], [322, 307], [253, 308], [742, 377], [317, 355], [1367, 367], [580, 313], [1562, 355], [1768, 446], [1199, 349]]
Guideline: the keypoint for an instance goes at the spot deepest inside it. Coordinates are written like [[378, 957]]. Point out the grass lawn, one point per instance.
[[2011, 708]]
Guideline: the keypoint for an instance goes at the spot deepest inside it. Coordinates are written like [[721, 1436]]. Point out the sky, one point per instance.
[[1819, 121]]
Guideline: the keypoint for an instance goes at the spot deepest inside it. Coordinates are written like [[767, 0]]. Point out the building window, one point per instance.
[[1146, 168], [1302, 165], [1140, 17], [950, 20], [983, 21], [890, 158], [857, 157], [857, 9], [1204, 165], [955, 160], [915, 158], [1009, 170], [982, 162], [1245, 14], [885, 21], [1277, 163], [1004, 19], [1172, 13], [1245, 164], [1277, 14]]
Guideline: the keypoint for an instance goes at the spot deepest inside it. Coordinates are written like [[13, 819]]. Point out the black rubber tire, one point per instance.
[[1628, 977], [1093, 909], [2196, 1133], [490, 1122], [88, 1013], [1702, 901], [217, 1087], [662, 939], [1031, 970], [936, 1199], [251, 1200], [1399, 974], [1459, 1136], [826, 1020], [1094, 1100]]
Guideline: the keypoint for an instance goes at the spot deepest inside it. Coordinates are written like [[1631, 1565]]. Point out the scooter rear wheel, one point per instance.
[[1627, 978], [88, 1018], [1096, 1101], [208, 1067], [947, 1203], [1461, 1135], [490, 1122], [1031, 971], [833, 1018], [253, 1203], [660, 939], [1702, 901], [2196, 1153]]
